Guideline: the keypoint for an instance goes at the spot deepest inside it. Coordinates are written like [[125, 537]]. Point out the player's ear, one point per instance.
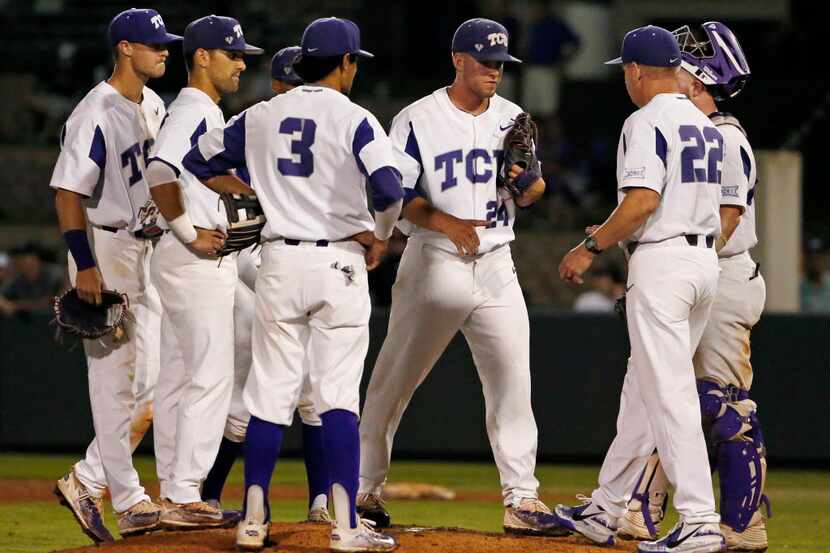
[[123, 48], [457, 61], [201, 58]]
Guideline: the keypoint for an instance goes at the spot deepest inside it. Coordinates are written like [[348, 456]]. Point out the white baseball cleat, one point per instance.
[[85, 507], [362, 538], [588, 519], [530, 516], [253, 529], [318, 514], [753, 539], [687, 538], [634, 526], [141, 518]]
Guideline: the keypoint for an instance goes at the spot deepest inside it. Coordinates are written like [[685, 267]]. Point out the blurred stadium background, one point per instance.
[[54, 51]]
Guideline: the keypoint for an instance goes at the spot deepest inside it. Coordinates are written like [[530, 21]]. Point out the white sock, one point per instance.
[[343, 508], [320, 502], [255, 505]]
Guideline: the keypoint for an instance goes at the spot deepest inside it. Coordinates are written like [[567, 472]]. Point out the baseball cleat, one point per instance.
[[371, 507], [753, 539], [634, 526], [85, 507], [687, 538], [362, 538], [532, 517], [141, 518], [253, 529], [230, 517], [184, 516], [588, 519], [318, 514]]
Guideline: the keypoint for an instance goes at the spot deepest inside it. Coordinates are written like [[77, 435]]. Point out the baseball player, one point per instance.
[[457, 273], [108, 221], [194, 389], [715, 69], [308, 152], [669, 163], [283, 79]]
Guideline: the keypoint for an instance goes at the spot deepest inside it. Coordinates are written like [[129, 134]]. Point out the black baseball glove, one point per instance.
[[245, 222], [520, 149], [87, 320]]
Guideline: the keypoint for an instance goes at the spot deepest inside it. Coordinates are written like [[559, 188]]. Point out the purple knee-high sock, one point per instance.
[[342, 444], [215, 481], [262, 448], [316, 469]]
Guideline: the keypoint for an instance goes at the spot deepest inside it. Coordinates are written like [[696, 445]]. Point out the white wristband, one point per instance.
[[385, 220], [183, 228]]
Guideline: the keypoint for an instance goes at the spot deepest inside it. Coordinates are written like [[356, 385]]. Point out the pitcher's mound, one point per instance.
[[314, 538]]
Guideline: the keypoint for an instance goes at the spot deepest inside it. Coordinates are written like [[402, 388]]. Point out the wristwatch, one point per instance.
[[591, 245]]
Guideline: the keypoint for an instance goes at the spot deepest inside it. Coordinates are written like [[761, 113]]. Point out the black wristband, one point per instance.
[[591, 245], [78, 244]]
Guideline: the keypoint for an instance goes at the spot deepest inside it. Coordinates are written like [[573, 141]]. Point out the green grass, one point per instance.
[[800, 500]]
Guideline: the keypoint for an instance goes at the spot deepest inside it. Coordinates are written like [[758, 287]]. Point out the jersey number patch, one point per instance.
[[696, 144], [300, 148]]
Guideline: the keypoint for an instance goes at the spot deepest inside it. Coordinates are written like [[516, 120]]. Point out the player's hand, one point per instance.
[[374, 255], [208, 242], [575, 263], [462, 233], [591, 230], [89, 284], [514, 172]]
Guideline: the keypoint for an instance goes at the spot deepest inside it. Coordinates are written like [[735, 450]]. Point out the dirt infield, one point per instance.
[[313, 538]]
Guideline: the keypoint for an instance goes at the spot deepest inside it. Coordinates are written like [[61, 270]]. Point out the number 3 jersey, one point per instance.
[[104, 148], [671, 147], [452, 159], [308, 153]]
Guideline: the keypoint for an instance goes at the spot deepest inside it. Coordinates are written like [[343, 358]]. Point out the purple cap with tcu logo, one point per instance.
[[140, 25], [484, 39], [331, 36], [282, 65], [215, 32]]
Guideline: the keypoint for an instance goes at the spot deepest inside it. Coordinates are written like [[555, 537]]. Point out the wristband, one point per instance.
[[78, 244], [183, 228]]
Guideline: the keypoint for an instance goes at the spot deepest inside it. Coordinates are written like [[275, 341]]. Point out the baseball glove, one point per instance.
[[77, 317], [520, 149], [245, 222]]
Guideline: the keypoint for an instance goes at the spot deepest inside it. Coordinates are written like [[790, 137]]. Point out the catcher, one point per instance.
[[456, 275], [193, 393]]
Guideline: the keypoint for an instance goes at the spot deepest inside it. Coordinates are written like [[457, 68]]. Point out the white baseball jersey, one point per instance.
[[191, 114], [738, 183], [105, 144], [452, 158], [671, 147], [308, 153]]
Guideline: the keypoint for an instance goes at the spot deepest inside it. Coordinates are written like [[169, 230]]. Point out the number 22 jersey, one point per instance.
[[671, 147]]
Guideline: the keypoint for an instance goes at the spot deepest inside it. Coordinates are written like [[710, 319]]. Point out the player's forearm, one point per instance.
[[425, 215], [167, 198], [70, 210], [532, 194], [227, 184], [637, 205], [730, 218]]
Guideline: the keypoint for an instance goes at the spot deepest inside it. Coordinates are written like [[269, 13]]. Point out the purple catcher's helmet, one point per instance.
[[718, 61]]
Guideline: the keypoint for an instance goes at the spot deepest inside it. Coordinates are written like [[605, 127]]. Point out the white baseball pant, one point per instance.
[[671, 288], [193, 393], [123, 261], [436, 294]]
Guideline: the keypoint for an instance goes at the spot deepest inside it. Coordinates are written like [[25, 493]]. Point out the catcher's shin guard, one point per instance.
[[742, 467], [647, 505]]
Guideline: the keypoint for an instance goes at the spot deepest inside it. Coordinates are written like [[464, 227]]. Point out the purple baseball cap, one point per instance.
[[649, 45], [484, 39], [331, 36], [717, 60], [140, 25], [216, 32], [282, 65]]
